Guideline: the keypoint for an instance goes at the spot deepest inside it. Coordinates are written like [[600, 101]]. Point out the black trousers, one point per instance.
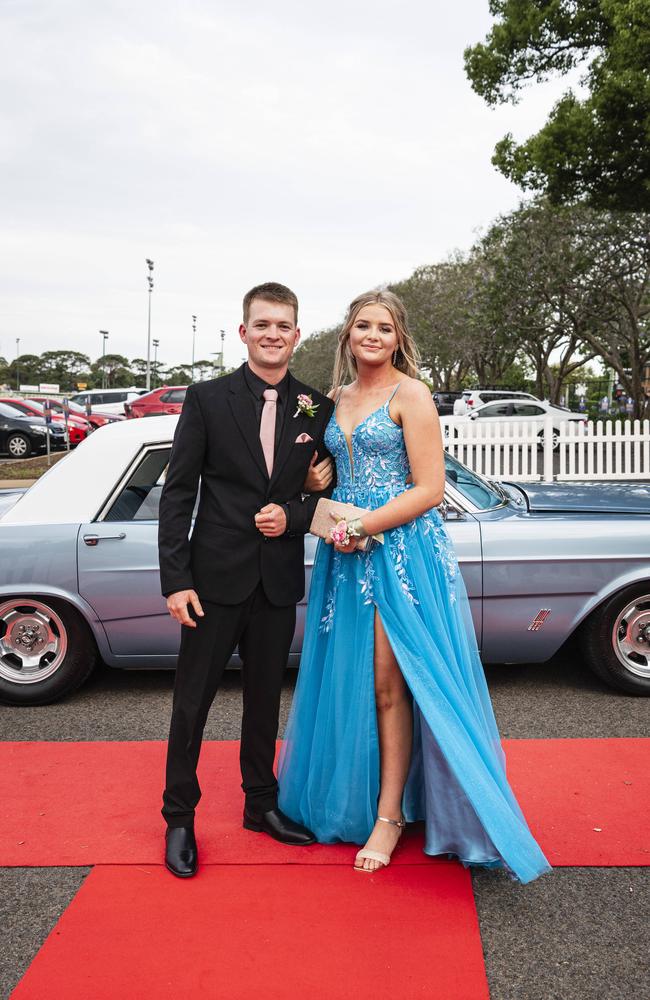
[[263, 633]]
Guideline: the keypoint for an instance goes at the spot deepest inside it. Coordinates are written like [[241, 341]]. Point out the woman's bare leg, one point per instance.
[[395, 728]]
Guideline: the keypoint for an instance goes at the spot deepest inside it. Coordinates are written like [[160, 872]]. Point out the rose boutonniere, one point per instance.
[[306, 405]]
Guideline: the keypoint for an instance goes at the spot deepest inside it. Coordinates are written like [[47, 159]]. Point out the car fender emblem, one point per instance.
[[539, 620]]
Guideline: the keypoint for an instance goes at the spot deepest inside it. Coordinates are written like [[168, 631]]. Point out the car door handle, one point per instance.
[[93, 539]]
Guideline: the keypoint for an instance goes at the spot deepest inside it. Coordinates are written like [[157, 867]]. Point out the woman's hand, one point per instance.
[[350, 547]]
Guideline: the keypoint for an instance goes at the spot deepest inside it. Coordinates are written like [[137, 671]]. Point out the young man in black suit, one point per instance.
[[249, 439]]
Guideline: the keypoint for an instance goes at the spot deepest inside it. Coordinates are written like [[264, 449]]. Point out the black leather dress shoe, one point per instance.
[[181, 856], [278, 826]]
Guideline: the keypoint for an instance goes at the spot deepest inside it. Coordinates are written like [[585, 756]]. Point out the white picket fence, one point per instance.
[[512, 449]]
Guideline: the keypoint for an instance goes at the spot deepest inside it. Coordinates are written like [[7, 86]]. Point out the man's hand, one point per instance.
[[319, 476], [177, 605], [271, 520]]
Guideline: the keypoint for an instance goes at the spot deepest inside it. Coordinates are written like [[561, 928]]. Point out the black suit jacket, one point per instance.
[[217, 442]]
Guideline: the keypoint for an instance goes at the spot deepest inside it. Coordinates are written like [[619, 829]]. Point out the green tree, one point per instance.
[[537, 289], [116, 370], [204, 369], [436, 297], [65, 368], [313, 359], [617, 290], [595, 149], [139, 368], [176, 375], [26, 368]]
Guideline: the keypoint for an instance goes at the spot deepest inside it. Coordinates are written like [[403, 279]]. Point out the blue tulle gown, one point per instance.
[[329, 764]]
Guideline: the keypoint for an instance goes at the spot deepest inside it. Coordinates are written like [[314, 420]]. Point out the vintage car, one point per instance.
[[79, 568]]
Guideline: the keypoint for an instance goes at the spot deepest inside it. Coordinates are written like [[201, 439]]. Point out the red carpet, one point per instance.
[[282, 933], [586, 801]]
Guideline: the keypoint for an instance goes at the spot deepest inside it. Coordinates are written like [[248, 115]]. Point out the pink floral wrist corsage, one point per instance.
[[343, 531]]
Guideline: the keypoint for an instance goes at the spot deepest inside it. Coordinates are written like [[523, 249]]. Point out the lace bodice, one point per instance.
[[378, 466]]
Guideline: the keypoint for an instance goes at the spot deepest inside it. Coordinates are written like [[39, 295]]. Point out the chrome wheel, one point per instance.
[[33, 641], [631, 636], [18, 446]]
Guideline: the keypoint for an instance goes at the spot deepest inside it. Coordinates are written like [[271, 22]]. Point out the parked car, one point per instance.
[[533, 412], [445, 401], [78, 427], [476, 397], [21, 435], [168, 399], [110, 400], [96, 418], [79, 576]]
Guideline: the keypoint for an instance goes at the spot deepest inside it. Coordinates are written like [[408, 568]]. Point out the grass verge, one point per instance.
[[29, 468]]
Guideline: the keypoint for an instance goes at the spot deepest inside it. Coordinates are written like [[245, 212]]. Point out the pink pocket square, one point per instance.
[[303, 438]]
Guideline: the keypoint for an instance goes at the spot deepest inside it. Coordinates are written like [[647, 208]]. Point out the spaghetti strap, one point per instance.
[[393, 393]]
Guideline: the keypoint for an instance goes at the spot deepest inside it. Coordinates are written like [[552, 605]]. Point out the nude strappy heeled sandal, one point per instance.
[[383, 859]]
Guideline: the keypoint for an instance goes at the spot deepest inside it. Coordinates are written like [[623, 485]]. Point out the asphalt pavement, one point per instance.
[[575, 934]]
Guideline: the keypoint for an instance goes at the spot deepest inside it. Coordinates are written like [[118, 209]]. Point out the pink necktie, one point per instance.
[[267, 426]]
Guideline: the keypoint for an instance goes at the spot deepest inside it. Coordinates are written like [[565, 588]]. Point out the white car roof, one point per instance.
[[75, 488]]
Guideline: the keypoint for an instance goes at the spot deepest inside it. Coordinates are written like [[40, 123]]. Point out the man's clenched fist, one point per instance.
[[271, 520]]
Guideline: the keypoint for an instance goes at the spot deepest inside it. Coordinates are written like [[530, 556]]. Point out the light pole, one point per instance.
[[193, 344], [223, 337], [104, 334], [150, 283], [17, 368], [155, 361]]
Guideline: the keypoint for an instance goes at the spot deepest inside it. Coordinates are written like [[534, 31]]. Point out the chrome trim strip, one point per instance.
[[576, 557]]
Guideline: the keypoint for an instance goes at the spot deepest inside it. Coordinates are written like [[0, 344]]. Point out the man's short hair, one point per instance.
[[271, 291]]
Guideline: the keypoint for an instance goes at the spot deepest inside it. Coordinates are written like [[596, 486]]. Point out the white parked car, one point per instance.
[[108, 400], [525, 411], [473, 398]]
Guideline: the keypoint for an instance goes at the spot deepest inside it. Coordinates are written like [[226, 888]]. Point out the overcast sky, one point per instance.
[[331, 147]]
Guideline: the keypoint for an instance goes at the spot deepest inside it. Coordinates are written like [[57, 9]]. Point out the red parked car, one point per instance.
[[167, 399], [78, 427], [94, 419]]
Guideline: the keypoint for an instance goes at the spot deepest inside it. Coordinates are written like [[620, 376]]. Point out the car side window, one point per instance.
[[495, 410], [174, 396], [528, 410], [139, 498]]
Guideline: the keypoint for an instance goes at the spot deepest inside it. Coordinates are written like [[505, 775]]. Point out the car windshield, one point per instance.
[[481, 492], [7, 410], [33, 405]]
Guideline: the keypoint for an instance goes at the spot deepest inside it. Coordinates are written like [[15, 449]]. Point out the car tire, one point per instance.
[[615, 640], [19, 445], [556, 440], [61, 656]]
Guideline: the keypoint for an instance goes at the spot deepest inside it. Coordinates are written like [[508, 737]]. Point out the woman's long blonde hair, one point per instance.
[[407, 355]]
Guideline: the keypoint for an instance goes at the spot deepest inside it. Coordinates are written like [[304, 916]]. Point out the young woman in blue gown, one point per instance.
[[391, 720]]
